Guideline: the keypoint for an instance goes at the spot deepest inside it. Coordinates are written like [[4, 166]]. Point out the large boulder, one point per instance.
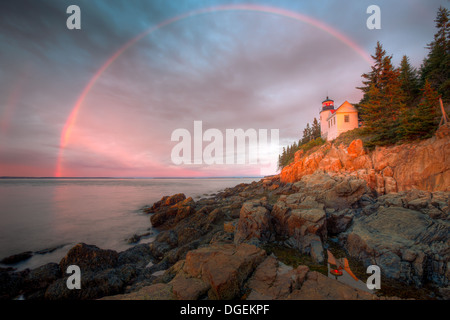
[[89, 258], [299, 212], [170, 210], [224, 267], [166, 201], [338, 192], [11, 283], [139, 255], [187, 234], [16, 258], [274, 280], [339, 221], [302, 220], [255, 221], [94, 285], [218, 271], [406, 244], [317, 286], [37, 280]]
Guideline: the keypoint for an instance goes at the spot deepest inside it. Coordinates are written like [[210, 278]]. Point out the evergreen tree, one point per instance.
[[424, 118], [306, 134], [436, 66], [294, 147], [409, 81], [383, 104], [373, 77], [315, 129], [282, 158]]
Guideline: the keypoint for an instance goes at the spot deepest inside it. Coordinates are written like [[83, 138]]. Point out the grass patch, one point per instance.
[[313, 143]]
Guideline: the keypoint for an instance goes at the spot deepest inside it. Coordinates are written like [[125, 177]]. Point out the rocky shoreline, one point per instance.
[[238, 244]]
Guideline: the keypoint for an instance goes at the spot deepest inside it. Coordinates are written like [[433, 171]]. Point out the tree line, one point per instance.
[[402, 103], [311, 136]]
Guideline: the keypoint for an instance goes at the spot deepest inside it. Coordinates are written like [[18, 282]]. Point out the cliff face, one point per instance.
[[423, 165]]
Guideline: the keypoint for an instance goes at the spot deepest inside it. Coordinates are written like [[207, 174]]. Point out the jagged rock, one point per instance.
[[166, 201], [159, 291], [140, 255], [299, 215], [338, 192], [94, 285], [170, 210], [230, 226], [135, 238], [421, 165], [317, 251], [309, 221], [443, 131], [224, 267], [255, 222], [185, 287], [319, 287], [158, 249], [16, 258], [274, 280], [182, 236], [89, 258], [222, 237], [219, 270], [11, 282], [38, 280], [339, 221], [406, 244], [434, 204]]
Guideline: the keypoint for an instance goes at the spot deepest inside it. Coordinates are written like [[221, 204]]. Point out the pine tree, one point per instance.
[[294, 147], [409, 81], [373, 77], [383, 104], [283, 158], [436, 66], [306, 134], [315, 129], [424, 118]]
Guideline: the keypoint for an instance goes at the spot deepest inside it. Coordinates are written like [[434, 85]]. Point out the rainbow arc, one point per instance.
[[71, 120]]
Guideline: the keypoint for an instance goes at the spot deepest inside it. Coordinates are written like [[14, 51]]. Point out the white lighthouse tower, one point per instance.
[[327, 109]]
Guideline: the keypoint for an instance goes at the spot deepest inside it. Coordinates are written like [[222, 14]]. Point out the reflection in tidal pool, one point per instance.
[[339, 269]]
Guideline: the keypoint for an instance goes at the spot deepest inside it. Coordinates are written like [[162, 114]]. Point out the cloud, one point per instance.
[[229, 69]]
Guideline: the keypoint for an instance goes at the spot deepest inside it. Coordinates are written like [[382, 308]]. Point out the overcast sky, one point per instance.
[[228, 68]]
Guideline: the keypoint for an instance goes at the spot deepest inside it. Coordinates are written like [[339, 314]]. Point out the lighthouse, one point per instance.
[[333, 121], [327, 110]]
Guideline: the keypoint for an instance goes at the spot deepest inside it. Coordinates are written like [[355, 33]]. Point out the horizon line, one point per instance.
[[211, 177]]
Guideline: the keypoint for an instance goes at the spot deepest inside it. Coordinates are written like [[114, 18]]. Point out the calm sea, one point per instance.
[[40, 214]]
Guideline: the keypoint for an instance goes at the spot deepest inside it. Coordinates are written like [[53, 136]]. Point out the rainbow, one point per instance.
[[70, 122]]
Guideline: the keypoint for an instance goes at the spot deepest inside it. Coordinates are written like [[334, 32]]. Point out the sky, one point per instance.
[[104, 100]]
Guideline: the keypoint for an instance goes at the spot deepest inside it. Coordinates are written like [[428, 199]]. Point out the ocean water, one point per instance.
[[41, 214]]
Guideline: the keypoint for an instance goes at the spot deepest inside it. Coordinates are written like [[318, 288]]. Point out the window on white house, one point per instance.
[[346, 118]]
